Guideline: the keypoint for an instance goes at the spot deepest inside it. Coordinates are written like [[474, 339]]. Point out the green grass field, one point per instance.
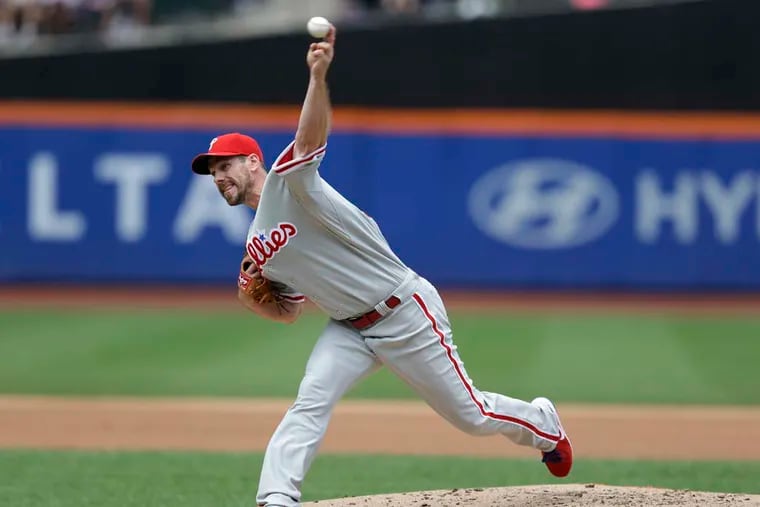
[[57, 479], [605, 358], [586, 358]]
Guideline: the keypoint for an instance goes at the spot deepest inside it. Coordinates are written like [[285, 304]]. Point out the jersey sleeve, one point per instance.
[[320, 200], [288, 294], [302, 168], [293, 297]]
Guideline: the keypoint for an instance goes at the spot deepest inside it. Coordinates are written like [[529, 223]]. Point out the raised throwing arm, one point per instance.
[[314, 122]]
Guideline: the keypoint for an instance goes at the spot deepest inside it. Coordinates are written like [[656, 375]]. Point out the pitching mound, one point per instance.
[[535, 496]]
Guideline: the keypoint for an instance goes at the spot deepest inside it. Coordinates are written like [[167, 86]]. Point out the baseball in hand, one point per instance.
[[318, 27]]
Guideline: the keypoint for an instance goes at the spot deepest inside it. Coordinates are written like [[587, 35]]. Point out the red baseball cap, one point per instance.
[[227, 145]]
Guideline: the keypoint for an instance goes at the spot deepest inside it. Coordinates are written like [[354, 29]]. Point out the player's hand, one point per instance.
[[247, 265], [320, 55]]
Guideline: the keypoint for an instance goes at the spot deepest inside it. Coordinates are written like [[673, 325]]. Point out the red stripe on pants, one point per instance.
[[458, 369]]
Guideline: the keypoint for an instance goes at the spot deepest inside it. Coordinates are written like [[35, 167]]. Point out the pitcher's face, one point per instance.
[[232, 177]]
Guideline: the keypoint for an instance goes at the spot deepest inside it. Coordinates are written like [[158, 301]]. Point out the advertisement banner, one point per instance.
[[120, 204]]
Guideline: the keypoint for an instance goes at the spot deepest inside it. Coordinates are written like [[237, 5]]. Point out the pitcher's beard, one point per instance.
[[232, 197]]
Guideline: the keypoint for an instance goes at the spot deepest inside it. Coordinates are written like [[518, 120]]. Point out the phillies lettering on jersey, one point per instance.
[[262, 248]]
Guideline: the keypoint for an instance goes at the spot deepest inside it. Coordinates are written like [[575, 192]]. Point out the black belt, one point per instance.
[[372, 316]]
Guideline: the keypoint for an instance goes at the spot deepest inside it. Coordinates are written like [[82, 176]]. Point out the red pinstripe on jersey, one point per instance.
[[294, 298], [450, 354], [286, 164]]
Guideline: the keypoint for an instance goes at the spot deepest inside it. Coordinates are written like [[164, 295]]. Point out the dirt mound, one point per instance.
[[535, 496]]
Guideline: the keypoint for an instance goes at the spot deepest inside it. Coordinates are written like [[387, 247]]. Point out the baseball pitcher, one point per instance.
[[308, 241]]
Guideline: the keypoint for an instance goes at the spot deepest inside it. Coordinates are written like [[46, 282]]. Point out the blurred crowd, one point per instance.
[[476, 6], [27, 19], [397, 6]]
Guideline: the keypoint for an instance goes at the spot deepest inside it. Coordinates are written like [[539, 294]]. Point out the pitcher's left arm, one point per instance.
[[266, 298]]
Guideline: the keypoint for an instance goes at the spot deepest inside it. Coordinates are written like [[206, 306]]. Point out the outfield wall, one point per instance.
[[686, 56], [488, 198]]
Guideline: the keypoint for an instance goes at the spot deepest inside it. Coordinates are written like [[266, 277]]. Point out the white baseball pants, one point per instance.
[[415, 342]]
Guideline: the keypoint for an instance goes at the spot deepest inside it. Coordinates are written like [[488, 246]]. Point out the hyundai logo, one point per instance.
[[543, 204]]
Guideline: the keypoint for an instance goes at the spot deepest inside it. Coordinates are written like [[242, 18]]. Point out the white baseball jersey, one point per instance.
[[310, 238]]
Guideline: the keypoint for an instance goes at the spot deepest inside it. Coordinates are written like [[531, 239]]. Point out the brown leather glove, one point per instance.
[[253, 283]]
